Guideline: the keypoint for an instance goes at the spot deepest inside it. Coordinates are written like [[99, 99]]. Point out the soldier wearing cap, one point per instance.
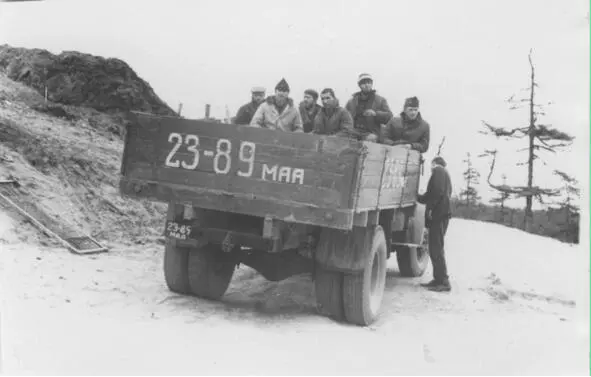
[[368, 109], [409, 128], [278, 112], [246, 112]]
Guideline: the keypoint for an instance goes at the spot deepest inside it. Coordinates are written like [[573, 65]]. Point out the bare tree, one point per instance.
[[571, 191], [472, 178], [540, 137]]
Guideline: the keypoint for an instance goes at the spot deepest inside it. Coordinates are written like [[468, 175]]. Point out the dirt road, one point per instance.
[[515, 309]]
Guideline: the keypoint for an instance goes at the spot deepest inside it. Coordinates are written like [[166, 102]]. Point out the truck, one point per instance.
[[282, 203]]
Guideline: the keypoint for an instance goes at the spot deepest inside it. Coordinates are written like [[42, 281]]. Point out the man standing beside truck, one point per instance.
[[437, 214], [246, 112], [278, 112], [409, 128], [368, 109]]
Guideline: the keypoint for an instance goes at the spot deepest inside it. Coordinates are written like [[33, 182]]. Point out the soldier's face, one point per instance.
[[308, 100], [281, 96], [366, 85], [328, 101], [411, 112], [258, 97]]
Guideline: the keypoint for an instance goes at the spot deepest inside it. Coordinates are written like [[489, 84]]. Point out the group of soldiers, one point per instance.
[[366, 116]]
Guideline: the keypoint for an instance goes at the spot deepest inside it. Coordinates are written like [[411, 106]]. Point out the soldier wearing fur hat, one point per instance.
[[309, 109], [246, 112], [437, 214], [368, 109], [278, 111], [409, 128]]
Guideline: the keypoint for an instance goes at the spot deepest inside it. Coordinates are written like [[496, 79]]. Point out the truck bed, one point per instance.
[[294, 177]]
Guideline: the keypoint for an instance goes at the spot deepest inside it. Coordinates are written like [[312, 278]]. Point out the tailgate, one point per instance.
[[290, 176]]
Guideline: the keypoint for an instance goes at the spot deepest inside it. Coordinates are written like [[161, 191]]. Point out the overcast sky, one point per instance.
[[461, 58]]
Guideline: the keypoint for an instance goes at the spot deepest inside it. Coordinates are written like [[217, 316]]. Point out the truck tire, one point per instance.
[[413, 261], [210, 271], [329, 292], [363, 292], [176, 268]]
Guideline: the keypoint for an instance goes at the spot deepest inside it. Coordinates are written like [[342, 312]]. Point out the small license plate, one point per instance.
[[178, 230]]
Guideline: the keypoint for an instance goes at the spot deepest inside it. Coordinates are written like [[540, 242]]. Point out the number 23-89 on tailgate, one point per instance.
[[222, 159]]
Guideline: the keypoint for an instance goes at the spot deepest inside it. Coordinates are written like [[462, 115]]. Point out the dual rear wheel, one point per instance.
[[355, 297], [204, 271]]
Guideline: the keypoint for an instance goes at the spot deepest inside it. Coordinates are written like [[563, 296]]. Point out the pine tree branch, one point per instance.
[[547, 133], [501, 132], [518, 191]]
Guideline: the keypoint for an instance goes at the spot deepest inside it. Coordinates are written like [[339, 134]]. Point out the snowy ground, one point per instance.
[[519, 305]]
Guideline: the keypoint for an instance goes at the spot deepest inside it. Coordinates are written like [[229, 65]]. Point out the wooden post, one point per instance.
[[207, 109]]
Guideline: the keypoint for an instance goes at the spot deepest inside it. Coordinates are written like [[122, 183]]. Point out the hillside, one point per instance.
[[67, 160]]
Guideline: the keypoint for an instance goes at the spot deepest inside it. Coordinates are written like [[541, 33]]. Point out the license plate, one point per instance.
[[178, 230]]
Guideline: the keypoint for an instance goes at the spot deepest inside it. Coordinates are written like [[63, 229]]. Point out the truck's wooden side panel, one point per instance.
[[389, 178], [296, 177]]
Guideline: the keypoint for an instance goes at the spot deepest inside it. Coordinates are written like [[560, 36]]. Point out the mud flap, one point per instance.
[[346, 251]]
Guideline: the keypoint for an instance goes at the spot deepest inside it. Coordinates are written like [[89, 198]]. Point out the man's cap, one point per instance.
[[411, 102], [312, 92], [258, 89], [282, 86], [439, 161], [364, 76]]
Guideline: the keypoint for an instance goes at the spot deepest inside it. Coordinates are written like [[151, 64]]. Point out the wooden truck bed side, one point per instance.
[[388, 178], [292, 176]]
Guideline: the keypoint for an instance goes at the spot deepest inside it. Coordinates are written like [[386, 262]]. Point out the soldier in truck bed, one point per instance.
[[309, 109], [408, 129], [278, 112], [368, 109], [332, 118], [246, 112]]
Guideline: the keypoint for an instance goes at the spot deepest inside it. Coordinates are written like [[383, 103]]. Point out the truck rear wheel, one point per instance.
[[413, 261], [176, 270], [363, 292], [210, 271], [329, 292]]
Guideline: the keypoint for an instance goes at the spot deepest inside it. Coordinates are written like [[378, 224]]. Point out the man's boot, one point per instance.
[[440, 287], [430, 284]]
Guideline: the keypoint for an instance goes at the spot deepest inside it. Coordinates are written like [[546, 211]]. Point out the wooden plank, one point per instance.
[[397, 184], [242, 204], [213, 183], [327, 162]]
